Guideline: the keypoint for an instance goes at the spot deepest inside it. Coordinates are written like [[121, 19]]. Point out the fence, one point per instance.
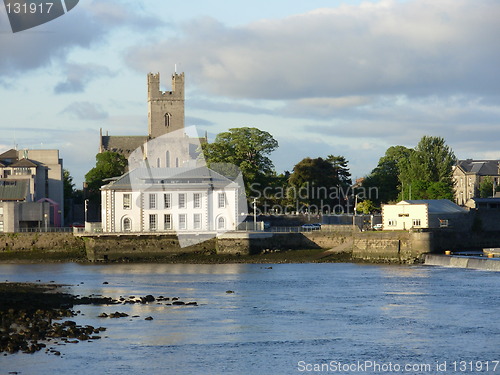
[[46, 230]]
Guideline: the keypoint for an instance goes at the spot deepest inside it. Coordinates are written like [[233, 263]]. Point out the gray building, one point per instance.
[[31, 189], [468, 176]]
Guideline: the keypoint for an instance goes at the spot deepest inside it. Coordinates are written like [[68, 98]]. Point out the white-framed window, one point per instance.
[[222, 200], [393, 223], [221, 223], [197, 221], [153, 222], [182, 221], [167, 200], [1, 226], [167, 222], [1, 210], [182, 200], [127, 201], [417, 223], [196, 200], [152, 201], [127, 224]]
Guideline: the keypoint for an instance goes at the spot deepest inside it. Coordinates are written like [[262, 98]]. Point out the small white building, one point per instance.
[[431, 213], [184, 199]]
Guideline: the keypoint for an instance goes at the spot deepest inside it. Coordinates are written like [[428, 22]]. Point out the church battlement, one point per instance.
[[154, 91], [165, 108]]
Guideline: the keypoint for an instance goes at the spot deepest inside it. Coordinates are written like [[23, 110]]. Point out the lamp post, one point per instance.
[[255, 214], [45, 220]]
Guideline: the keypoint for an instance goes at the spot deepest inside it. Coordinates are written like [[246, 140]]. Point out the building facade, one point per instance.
[[170, 200], [422, 214], [468, 176], [29, 178]]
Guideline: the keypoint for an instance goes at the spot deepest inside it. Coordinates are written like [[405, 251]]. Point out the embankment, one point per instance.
[[37, 247]]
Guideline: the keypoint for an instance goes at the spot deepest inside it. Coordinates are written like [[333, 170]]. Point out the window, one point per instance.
[[152, 201], [127, 201], [393, 223], [182, 221], [416, 223], [1, 210], [167, 159], [168, 117], [196, 200], [127, 224], [443, 223], [167, 200], [197, 221], [182, 200], [152, 223], [1, 226], [221, 223], [167, 221], [222, 200]]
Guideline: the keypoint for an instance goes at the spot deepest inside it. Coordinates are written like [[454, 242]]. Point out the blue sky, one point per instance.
[[345, 77]]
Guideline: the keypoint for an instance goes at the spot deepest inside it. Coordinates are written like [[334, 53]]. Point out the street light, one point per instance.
[[255, 214]]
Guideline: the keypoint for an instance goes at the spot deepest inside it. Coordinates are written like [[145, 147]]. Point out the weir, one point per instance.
[[476, 263]]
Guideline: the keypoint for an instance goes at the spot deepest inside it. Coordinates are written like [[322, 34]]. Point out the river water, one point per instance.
[[281, 319]]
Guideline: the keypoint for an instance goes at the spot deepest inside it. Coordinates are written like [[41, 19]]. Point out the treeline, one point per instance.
[[321, 184]]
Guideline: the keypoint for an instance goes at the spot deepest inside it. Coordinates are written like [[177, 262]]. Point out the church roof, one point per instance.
[[124, 145], [13, 190]]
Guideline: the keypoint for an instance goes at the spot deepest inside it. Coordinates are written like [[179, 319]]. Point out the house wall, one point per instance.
[[402, 216], [114, 213]]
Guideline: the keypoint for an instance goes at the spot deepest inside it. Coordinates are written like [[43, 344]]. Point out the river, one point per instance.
[[276, 319]]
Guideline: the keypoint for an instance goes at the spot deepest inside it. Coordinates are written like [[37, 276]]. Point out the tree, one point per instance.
[[108, 164], [341, 171], [366, 207], [248, 149], [486, 187], [385, 176], [68, 185], [316, 182], [430, 162]]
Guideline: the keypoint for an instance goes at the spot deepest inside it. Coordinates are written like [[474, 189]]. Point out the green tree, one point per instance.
[[68, 185], [248, 149], [486, 187], [385, 176], [341, 170], [108, 164], [430, 162], [317, 182], [366, 207]]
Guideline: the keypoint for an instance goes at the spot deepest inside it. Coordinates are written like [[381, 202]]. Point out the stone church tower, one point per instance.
[[165, 108]]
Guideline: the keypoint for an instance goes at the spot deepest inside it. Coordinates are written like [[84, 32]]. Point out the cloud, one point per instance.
[[189, 120], [78, 76], [86, 111], [417, 48], [86, 25]]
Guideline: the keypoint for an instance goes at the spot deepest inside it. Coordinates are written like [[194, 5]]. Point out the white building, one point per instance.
[[431, 213], [170, 200]]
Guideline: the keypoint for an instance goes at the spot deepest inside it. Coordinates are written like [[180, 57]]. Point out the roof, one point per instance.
[[122, 144], [13, 190], [10, 154], [25, 163], [173, 178], [480, 167], [437, 206]]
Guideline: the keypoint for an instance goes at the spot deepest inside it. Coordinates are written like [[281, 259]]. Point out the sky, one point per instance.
[[344, 77]]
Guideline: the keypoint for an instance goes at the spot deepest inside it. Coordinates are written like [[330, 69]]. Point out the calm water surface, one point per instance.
[[291, 319]]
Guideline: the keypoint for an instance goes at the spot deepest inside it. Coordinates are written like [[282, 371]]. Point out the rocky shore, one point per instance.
[[35, 316]]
